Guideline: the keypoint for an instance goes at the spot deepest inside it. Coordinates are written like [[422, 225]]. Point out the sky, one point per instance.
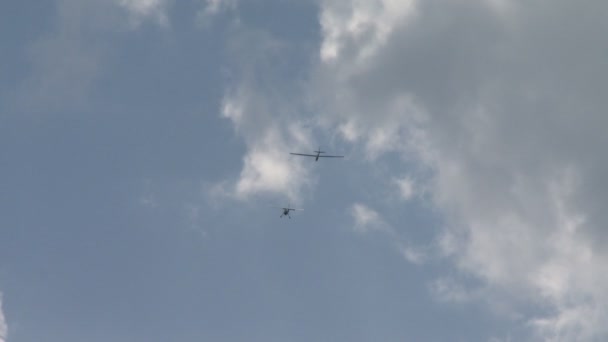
[[144, 146]]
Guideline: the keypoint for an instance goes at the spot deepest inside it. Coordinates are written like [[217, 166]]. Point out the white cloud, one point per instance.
[[267, 121], [504, 110], [449, 290], [414, 254], [503, 106], [406, 187], [361, 24], [367, 219], [3, 325], [268, 168], [141, 10]]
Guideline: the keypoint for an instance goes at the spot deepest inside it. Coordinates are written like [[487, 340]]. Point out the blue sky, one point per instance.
[[143, 144]]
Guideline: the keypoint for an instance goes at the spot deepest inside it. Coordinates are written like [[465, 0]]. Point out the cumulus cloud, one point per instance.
[[267, 167], [502, 103], [266, 118]]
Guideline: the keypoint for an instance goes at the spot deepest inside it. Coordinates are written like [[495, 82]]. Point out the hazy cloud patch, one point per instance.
[[367, 219], [141, 10], [3, 325], [214, 7], [449, 290], [67, 61], [406, 187], [64, 63], [417, 255]]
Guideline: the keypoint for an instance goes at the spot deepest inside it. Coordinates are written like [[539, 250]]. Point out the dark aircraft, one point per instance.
[[317, 155], [286, 211]]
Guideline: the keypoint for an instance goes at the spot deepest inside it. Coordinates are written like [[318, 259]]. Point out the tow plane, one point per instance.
[[318, 154], [286, 211]]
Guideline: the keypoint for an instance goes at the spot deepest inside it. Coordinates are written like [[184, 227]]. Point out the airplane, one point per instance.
[[317, 155], [286, 211]]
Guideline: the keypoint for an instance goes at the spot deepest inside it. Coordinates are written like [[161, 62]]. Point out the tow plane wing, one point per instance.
[[302, 154]]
